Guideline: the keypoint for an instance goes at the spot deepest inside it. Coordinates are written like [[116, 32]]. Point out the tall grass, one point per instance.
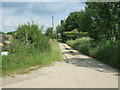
[[105, 51], [24, 59], [81, 44]]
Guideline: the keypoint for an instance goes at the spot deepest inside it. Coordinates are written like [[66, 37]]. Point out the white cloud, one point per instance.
[[13, 15], [14, 21]]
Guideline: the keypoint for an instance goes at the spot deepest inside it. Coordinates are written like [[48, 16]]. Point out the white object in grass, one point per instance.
[[4, 53]]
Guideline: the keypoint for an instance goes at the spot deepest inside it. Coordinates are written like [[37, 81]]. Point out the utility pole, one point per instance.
[[53, 23]]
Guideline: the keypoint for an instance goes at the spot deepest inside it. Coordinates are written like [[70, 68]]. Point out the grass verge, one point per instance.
[[16, 63], [105, 51]]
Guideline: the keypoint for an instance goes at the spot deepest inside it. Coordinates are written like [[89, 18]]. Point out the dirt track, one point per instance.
[[76, 71]]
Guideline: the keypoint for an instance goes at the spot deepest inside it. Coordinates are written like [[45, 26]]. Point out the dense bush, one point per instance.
[[41, 42], [71, 42], [30, 34], [50, 33], [74, 35], [84, 48], [16, 46], [81, 44], [105, 51]]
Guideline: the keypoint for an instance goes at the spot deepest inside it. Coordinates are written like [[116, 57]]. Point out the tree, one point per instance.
[[72, 21], [2, 32], [76, 20], [84, 21], [31, 34], [100, 20], [59, 30], [62, 29], [26, 32], [12, 32], [49, 32], [104, 17]]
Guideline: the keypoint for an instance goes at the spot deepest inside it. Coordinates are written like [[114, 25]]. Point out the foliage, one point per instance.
[[50, 33], [71, 34], [75, 21], [104, 16], [81, 44], [2, 32], [60, 30], [29, 47], [68, 35], [105, 51], [99, 19], [70, 27], [12, 32], [21, 60], [31, 34], [27, 32], [75, 34]]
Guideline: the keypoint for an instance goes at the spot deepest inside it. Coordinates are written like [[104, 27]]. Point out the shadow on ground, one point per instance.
[[81, 60]]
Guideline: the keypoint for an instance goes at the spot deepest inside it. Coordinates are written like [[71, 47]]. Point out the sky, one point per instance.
[[15, 13]]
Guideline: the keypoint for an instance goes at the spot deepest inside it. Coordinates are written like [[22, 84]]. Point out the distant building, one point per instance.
[[4, 37]]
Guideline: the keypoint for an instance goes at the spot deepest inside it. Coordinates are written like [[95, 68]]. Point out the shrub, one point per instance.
[[19, 61], [16, 46], [74, 34], [81, 44], [41, 42], [84, 48], [71, 42], [30, 34], [106, 51]]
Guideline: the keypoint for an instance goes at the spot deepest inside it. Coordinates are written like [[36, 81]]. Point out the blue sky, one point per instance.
[[15, 13]]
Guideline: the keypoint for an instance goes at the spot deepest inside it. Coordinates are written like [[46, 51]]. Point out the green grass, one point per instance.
[[105, 51], [19, 62], [81, 44]]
